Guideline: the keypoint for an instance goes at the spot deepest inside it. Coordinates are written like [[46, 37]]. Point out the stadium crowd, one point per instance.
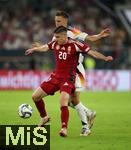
[[34, 22]]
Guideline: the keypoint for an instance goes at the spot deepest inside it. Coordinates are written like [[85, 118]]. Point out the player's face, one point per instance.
[[60, 21], [61, 38]]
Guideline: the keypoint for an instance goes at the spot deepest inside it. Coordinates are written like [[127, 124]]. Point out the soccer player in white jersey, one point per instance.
[[86, 115]]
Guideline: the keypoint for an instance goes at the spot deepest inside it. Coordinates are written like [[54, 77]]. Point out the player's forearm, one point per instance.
[[93, 38], [42, 48], [104, 33], [97, 55]]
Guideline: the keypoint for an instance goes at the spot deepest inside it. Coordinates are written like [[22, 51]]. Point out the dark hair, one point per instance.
[[60, 29], [63, 14]]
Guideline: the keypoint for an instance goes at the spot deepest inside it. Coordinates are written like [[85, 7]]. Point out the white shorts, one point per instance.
[[80, 78]]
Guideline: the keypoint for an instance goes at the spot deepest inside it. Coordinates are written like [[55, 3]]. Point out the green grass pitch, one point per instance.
[[111, 130]]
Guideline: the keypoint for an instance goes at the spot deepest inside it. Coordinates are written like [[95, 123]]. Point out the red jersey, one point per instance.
[[67, 56]]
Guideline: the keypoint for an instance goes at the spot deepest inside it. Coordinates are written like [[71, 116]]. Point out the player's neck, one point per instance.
[[66, 41]]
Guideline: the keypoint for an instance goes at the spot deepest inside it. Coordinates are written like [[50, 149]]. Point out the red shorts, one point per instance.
[[54, 84]]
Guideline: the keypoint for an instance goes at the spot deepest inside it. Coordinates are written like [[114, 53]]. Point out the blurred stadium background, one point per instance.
[[24, 22], [27, 21]]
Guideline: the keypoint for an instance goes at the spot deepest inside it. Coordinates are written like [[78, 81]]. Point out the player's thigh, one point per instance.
[[50, 87], [38, 94], [64, 98], [75, 98], [66, 88]]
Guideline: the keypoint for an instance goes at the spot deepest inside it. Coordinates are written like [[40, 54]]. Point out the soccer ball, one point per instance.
[[25, 111]]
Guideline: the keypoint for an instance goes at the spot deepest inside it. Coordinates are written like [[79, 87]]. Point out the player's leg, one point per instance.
[[64, 98], [90, 114], [46, 88], [77, 105], [81, 113], [40, 105], [37, 98], [66, 89], [86, 115]]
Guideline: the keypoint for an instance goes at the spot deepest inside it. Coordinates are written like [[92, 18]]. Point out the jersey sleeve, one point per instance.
[[51, 45], [53, 38], [70, 34], [81, 47], [81, 36], [77, 34]]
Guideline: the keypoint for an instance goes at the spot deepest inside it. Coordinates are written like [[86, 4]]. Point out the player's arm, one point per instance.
[[36, 44], [98, 55], [92, 38], [37, 48], [84, 48]]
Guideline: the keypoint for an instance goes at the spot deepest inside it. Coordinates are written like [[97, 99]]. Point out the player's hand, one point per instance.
[[109, 58], [106, 32], [30, 51], [34, 47]]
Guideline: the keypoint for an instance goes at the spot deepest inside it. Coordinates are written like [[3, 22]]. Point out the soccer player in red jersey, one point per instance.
[[86, 115], [63, 78]]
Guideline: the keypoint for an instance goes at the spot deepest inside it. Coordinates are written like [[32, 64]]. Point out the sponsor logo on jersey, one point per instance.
[[63, 48], [65, 83]]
